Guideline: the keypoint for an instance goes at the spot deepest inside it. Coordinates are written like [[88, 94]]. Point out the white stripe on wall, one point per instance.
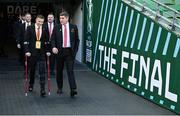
[[102, 6], [142, 33], [110, 40], [102, 32], [117, 27], [177, 48], [135, 31], [167, 43], [129, 28], [149, 36], [108, 20], [157, 39], [124, 22]]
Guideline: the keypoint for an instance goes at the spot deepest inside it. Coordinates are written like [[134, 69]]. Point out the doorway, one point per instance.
[[11, 10]]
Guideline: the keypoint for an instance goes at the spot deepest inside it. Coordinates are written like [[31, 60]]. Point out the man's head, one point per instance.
[[28, 17], [39, 20], [50, 18], [22, 16], [64, 17]]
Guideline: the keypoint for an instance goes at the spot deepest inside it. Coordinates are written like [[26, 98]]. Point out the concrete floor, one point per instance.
[[96, 95]]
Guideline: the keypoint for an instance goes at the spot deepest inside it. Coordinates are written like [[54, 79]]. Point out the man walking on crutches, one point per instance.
[[36, 48]]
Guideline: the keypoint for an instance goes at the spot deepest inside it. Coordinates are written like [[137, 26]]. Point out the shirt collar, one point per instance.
[[50, 23], [67, 24], [28, 22], [37, 26]]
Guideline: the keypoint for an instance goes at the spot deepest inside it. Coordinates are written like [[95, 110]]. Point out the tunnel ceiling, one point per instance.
[[69, 5]]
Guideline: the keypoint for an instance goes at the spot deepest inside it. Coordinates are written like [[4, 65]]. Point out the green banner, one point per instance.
[[133, 51]]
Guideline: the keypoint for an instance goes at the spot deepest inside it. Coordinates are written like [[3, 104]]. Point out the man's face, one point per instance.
[[63, 19], [39, 22], [28, 17], [50, 18]]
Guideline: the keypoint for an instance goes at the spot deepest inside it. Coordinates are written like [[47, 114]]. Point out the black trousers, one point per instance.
[[65, 57], [21, 55], [34, 60], [52, 62]]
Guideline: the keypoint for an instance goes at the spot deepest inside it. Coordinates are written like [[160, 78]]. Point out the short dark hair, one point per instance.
[[64, 13], [50, 13], [22, 14], [40, 16], [27, 14]]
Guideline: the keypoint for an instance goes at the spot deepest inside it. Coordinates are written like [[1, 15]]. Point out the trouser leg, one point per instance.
[[59, 73], [32, 65], [70, 69], [42, 73]]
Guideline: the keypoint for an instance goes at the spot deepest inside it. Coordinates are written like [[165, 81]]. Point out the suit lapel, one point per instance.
[[61, 31], [24, 27], [42, 34], [34, 31], [47, 27]]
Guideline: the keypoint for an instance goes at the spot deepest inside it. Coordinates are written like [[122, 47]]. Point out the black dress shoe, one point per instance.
[[30, 88], [59, 91], [43, 93], [73, 93]]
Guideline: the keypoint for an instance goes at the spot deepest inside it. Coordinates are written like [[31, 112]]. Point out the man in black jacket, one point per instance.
[[65, 42], [49, 25], [20, 33], [36, 47]]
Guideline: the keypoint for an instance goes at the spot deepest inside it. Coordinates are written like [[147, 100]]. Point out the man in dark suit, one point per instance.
[[20, 19], [65, 42], [49, 25], [24, 23], [36, 47]]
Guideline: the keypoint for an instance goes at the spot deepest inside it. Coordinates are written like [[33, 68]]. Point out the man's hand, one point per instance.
[[18, 46], [28, 54], [48, 53], [55, 50]]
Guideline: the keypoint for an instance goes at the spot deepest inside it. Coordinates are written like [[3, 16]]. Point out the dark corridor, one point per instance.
[[10, 10]]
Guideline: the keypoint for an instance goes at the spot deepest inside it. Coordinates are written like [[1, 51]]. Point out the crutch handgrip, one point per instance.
[[48, 54]]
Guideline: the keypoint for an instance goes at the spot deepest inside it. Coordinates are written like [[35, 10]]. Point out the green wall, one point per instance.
[[133, 51]]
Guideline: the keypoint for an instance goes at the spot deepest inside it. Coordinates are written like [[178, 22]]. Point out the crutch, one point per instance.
[[48, 74], [26, 75]]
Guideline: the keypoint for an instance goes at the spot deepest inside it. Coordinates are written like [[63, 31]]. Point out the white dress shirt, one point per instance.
[[27, 24], [52, 27], [68, 35]]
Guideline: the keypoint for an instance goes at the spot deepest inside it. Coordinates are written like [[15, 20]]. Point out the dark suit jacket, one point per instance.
[[47, 31], [16, 29], [30, 42], [57, 38], [21, 33]]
